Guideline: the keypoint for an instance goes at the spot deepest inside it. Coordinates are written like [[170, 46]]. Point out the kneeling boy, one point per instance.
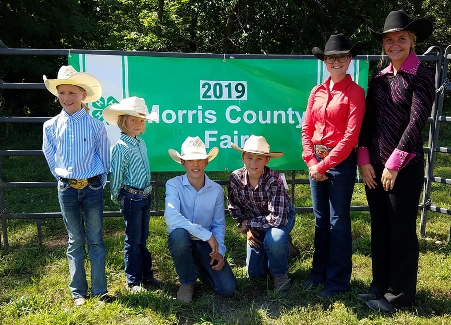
[[194, 214], [259, 202]]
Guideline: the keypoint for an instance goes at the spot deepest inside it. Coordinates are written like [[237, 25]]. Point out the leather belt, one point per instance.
[[80, 184], [144, 193]]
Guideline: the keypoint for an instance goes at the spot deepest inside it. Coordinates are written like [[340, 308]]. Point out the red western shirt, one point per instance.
[[333, 118]]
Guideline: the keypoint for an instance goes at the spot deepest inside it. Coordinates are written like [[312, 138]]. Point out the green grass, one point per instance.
[[34, 279]]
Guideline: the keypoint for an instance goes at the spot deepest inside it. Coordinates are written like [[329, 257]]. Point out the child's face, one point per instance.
[[195, 168], [255, 164], [70, 97], [135, 125]]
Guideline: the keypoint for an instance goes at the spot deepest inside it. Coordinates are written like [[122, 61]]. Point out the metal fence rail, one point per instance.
[[443, 86], [292, 181]]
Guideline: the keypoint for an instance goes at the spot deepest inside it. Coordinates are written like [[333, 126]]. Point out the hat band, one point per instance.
[[256, 151]]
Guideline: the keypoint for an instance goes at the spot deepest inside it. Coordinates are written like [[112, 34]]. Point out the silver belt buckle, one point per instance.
[[321, 150], [147, 190]]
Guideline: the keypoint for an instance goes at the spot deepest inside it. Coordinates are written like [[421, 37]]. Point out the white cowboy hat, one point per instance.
[[67, 75], [259, 145], [193, 149], [134, 106]]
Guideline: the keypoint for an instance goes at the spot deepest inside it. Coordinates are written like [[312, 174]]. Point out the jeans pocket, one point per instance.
[[62, 186], [136, 198], [96, 185]]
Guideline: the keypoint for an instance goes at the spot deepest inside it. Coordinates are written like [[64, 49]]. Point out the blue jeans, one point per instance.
[[273, 252], [332, 260], [137, 258], [82, 212], [191, 257]]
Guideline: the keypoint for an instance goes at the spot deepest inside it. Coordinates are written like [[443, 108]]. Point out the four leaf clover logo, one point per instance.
[[100, 105]]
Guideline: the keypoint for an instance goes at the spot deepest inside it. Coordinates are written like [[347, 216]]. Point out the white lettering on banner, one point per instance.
[[186, 116], [232, 115], [225, 140]]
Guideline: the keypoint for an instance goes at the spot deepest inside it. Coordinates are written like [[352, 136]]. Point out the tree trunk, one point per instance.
[[158, 30], [227, 44]]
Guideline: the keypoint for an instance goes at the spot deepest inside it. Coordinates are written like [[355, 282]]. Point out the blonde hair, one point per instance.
[[121, 119], [413, 38]]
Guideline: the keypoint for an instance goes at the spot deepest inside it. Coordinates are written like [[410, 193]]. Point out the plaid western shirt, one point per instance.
[[265, 206], [129, 165]]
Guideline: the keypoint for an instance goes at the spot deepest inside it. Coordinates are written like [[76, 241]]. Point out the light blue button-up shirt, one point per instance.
[[129, 165], [201, 212], [76, 146]]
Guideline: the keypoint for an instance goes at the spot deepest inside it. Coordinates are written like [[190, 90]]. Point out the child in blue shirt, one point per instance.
[[130, 187], [194, 214], [77, 151]]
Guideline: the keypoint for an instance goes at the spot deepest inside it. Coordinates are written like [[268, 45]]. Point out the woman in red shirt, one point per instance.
[[330, 133]]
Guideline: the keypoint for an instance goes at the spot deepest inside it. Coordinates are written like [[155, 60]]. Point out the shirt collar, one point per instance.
[[185, 181], [342, 84], [130, 140], [77, 116], [410, 65], [245, 176]]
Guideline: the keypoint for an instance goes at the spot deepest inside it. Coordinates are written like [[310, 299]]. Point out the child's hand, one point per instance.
[[243, 227], [252, 239], [214, 245], [217, 262]]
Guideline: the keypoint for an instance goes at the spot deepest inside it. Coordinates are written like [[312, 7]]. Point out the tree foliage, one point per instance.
[[205, 26]]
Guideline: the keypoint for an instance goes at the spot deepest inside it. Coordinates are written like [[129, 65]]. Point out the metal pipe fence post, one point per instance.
[[433, 130], [3, 214], [39, 228]]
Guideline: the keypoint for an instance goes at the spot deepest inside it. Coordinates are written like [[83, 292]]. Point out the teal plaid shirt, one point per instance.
[[129, 165]]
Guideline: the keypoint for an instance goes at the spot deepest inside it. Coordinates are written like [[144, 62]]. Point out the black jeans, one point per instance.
[[394, 242]]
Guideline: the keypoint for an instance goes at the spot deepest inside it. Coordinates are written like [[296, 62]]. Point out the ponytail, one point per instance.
[[85, 107]]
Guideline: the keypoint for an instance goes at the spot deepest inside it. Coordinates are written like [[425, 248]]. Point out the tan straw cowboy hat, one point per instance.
[[133, 106], [259, 145], [193, 149], [67, 75]]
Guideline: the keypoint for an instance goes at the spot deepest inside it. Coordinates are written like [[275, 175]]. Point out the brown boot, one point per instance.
[[282, 283], [185, 293], [294, 251]]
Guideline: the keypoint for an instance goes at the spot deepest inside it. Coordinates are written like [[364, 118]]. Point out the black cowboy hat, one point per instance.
[[337, 44], [398, 20]]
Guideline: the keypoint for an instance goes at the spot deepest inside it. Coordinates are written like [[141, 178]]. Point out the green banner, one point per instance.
[[221, 101]]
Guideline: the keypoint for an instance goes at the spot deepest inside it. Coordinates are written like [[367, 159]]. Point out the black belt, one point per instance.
[[80, 184], [91, 180]]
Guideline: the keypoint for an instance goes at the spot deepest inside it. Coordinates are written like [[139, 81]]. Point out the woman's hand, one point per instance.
[[388, 178], [315, 175], [368, 175]]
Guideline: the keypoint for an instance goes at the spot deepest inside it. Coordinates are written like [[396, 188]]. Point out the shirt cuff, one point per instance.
[[312, 162], [363, 156], [322, 168], [398, 159]]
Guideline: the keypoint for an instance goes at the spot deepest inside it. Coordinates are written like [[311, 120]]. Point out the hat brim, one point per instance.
[[354, 50], [178, 158], [82, 79], [421, 27], [268, 154], [112, 113]]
